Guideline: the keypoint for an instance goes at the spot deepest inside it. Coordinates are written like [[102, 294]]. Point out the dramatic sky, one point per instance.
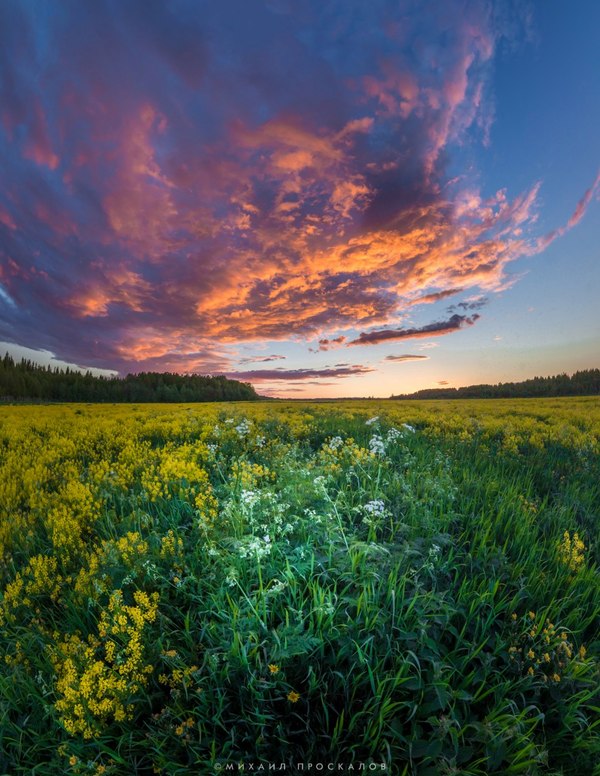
[[324, 198]]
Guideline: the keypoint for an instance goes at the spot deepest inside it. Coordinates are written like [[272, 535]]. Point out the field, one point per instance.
[[282, 587]]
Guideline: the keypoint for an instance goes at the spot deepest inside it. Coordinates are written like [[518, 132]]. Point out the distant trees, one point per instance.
[[583, 383], [27, 380]]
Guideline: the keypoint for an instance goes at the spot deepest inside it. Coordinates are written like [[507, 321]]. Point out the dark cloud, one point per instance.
[[327, 344], [261, 359], [437, 296], [473, 304], [436, 329], [407, 357], [267, 375]]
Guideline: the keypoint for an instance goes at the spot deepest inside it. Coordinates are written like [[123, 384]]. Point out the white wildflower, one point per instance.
[[375, 508], [248, 496], [376, 445], [319, 483], [277, 587], [243, 428], [372, 420], [231, 578], [256, 547], [393, 434]]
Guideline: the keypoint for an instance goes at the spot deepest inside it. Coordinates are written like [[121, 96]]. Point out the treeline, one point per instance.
[[26, 380], [584, 383]]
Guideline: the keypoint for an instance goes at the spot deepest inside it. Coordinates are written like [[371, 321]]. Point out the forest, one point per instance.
[[583, 383], [25, 380]]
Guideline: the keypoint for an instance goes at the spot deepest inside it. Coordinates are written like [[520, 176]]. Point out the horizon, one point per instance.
[[411, 395], [352, 200]]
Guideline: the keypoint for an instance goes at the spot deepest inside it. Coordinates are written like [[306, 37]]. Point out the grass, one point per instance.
[[189, 589]]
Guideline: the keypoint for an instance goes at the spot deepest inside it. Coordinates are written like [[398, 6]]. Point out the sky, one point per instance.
[[325, 199]]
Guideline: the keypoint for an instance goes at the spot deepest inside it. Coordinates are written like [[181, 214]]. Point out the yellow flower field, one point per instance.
[[407, 584]]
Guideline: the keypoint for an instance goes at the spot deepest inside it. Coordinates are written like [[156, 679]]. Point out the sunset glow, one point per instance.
[[323, 199]]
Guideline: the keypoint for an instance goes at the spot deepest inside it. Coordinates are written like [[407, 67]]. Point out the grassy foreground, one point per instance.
[[362, 586]]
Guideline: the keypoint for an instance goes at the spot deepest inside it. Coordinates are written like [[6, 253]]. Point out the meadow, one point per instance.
[[400, 587]]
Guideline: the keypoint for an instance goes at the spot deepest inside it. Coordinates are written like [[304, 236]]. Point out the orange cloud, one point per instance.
[[140, 208]]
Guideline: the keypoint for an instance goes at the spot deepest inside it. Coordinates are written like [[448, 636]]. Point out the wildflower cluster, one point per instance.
[[248, 475], [541, 651], [337, 454], [38, 580], [177, 675], [571, 551], [377, 445], [171, 545], [373, 511], [98, 679]]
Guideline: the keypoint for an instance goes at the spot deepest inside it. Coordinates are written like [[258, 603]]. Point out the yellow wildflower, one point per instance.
[[571, 551], [293, 697]]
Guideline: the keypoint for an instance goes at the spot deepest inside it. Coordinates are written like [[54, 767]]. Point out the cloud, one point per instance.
[[436, 329], [436, 296], [267, 375], [327, 344], [469, 304], [242, 173], [6, 298], [584, 202], [443, 382], [261, 359], [580, 210], [406, 358], [429, 345]]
